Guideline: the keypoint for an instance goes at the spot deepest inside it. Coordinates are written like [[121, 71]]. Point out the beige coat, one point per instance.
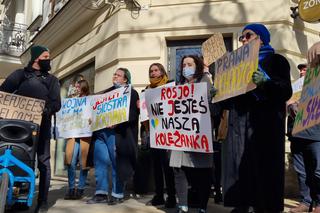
[[84, 144]]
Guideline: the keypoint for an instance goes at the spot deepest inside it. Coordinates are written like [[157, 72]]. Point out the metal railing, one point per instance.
[[12, 38]]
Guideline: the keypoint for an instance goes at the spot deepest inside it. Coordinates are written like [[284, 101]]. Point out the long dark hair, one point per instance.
[[199, 68], [84, 87]]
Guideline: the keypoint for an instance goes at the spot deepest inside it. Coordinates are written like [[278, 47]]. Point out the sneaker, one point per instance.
[[170, 202], [114, 200], [99, 198], [300, 208], [42, 207], [79, 194], [157, 200], [70, 195], [181, 210]]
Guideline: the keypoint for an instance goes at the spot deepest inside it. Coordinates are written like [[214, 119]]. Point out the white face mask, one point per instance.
[[116, 84], [188, 72]]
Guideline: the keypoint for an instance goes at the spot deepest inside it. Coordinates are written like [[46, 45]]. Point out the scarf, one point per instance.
[[155, 82]]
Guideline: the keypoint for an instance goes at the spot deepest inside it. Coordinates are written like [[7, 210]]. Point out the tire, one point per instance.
[[3, 191]]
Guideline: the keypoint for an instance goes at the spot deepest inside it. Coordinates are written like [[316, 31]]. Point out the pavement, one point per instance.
[[131, 205]]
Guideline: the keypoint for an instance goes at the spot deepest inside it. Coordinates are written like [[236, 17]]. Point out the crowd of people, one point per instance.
[[248, 131]]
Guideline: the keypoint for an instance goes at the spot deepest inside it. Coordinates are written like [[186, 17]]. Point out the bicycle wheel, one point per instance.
[[3, 191]]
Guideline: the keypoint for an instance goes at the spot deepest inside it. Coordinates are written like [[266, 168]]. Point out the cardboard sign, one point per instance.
[[180, 118], [213, 48], [233, 71], [296, 90], [143, 107], [309, 10], [20, 107], [79, 117], [308, 113]]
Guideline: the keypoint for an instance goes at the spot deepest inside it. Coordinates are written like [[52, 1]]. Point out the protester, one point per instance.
[[35, 81], [158, 77], [196, 167], [73, 90], [77, 151], [310, 142], [297, 153], [254, 150], [115, 146]]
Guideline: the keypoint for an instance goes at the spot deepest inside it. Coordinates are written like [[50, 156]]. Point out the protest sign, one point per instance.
[[308, 113], [20, 107], [73, 118], [213, 48], [296, 90], [180, 118], [143, 108], [233, 71], [79, 117]]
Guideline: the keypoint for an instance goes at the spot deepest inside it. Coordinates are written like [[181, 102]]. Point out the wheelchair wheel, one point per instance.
[[3, 191]]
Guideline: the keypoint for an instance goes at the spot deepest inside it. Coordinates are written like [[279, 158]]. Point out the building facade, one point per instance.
[[95, 37]]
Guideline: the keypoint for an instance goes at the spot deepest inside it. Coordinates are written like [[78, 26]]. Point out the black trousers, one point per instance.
[[43, 154], [161, 168], [200, 180]]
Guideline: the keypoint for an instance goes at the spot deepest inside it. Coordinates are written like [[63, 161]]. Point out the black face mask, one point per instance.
[[45, 65]]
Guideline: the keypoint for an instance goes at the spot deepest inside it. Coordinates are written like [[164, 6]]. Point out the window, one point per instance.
[[178, 49]]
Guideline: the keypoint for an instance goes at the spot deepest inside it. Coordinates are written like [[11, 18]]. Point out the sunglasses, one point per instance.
[[247, 36]]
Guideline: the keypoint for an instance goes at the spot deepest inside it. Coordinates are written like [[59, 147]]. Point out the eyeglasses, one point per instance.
[[247, 36]]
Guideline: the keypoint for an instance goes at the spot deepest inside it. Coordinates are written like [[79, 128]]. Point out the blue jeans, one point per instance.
[[104, 157], [297, 148], [311, 157], [72, 168]]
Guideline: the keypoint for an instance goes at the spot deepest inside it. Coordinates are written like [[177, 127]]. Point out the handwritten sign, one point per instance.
[[20, 107], [308, 113], [143, 107], [233, 71], [296, 89], [79, 117], [180, 118], [213, 48], [111, 108]]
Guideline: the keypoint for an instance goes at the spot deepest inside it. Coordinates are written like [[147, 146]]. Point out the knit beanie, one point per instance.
[[36, 51], [260, 30]]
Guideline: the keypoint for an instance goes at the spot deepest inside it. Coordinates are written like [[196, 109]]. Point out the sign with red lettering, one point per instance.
[[308, 113], [180, 118], [20, 107]]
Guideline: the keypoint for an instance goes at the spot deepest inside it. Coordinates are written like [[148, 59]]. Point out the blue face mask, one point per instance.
[[188, 72]]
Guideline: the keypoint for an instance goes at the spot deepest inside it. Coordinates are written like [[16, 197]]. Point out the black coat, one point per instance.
[[35, 84], [254, 151]]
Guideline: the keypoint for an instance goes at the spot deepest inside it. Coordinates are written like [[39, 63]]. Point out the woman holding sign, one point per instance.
[[192, 166], [253, 153], [77, 150], [158, 77]]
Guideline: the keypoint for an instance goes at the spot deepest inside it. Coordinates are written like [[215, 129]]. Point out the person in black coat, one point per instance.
[[34, 81], [254, 151]]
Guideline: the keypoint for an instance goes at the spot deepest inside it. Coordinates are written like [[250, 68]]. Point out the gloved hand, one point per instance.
[[259, 78], [213, 92]]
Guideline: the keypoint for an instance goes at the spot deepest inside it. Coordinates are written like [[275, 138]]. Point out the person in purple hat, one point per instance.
[[254, 150]]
